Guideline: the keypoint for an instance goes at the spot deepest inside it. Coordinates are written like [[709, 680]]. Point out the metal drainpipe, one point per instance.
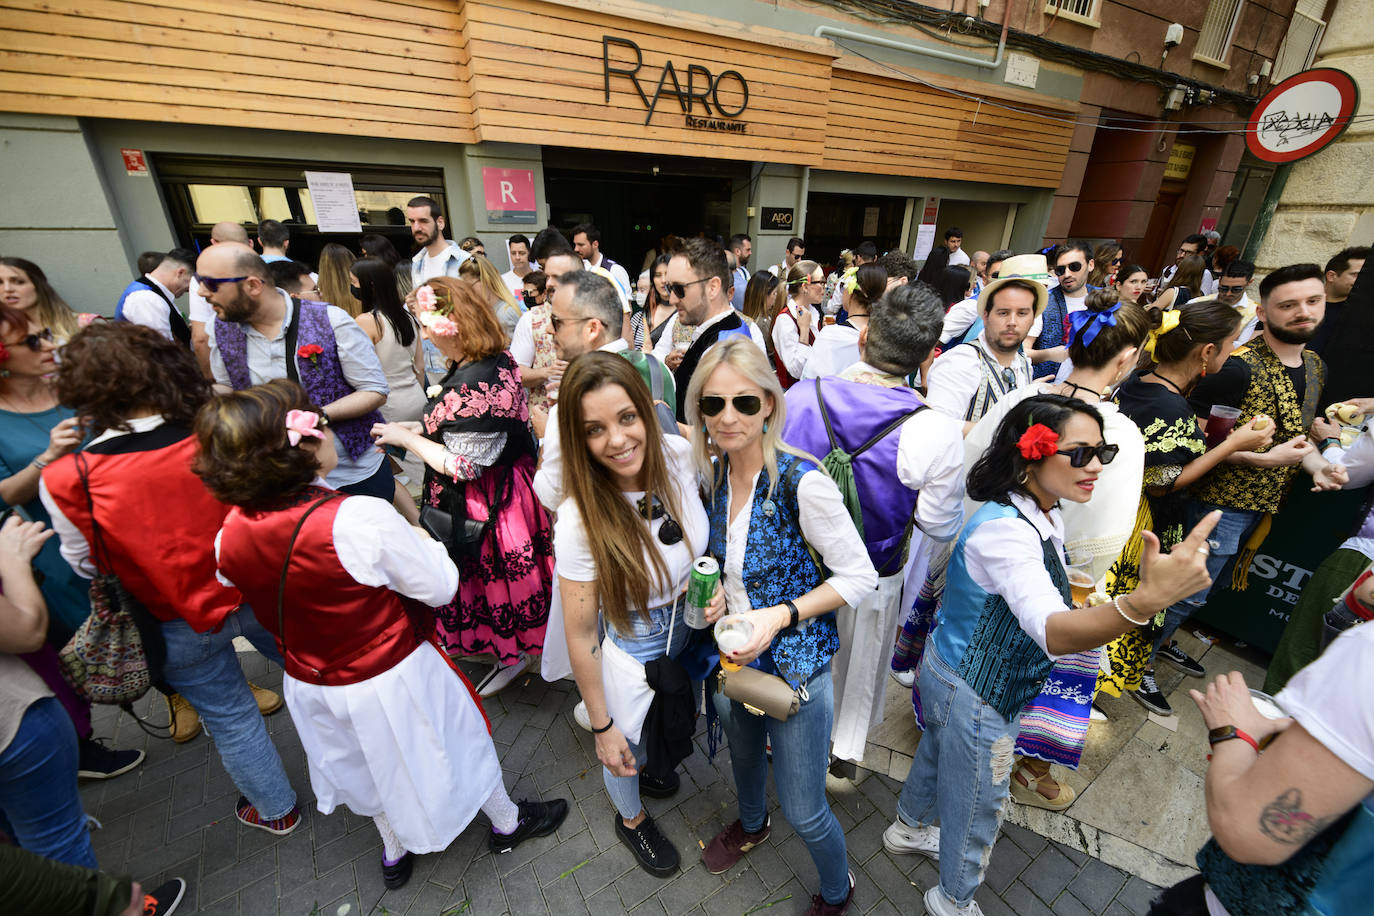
[[972, 61], [800, 229]]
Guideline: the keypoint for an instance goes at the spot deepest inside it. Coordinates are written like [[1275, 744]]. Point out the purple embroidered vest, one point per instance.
[[322, 376], [858, 412]]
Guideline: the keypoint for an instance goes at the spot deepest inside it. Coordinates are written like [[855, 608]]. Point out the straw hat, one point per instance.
[[1029, 268]]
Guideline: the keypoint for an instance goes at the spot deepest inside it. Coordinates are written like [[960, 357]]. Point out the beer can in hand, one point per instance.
[[701, 588]]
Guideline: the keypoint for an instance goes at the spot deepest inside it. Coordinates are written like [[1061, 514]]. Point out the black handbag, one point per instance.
[[439, 525]]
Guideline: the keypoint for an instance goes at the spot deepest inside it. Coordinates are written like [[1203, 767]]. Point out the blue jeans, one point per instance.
[[39, 804], [204, 668], [801, 753], [1226, 540], [961, 774], [647, 641]]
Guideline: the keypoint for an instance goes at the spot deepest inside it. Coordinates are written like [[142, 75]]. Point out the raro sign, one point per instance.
[[696, 89]]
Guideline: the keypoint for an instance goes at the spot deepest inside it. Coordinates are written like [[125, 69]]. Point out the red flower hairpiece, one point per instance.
[[1037, 442], [4, 354]]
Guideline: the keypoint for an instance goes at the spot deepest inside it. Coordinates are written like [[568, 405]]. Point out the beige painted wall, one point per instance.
[[1328, 203]]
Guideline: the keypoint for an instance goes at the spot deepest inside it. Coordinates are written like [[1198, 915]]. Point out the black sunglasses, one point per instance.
[[670, 532], [213, 283], [1231, 290], [747, 404], [1074, 266], [35, 341], [680, 289], [1079, 457], [559, 322]]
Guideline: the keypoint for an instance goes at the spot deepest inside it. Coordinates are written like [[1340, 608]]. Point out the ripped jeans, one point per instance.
[[961, 775]]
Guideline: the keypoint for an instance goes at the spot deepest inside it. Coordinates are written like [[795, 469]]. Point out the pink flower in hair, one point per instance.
[[301, 423], [425, 298], [443, 327]]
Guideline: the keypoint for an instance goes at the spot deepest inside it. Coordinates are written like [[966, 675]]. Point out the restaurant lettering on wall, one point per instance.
[[701, 91]]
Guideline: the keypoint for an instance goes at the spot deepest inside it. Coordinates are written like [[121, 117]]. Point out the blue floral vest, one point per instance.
[[778, 566], [979, 637]]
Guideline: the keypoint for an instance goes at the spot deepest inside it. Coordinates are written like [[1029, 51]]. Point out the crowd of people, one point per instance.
[[1004, 479]]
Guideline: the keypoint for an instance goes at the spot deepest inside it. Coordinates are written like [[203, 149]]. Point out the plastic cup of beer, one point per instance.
[[733, 633], [1081, 582], [1220, 422], [1266, 705]]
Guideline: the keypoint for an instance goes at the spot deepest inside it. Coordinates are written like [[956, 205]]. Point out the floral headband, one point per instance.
[[1168, 321], [434, 311], [1093, 321], [1037, 442], [302, 423]]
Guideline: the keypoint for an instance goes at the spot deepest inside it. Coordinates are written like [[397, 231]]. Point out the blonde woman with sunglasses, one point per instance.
[[770, 507]]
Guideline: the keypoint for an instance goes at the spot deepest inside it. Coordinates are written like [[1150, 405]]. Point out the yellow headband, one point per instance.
[[1169, 321]]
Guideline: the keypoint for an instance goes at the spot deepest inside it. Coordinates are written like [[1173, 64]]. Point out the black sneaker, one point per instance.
[[536, 819], [1180, 660], [1151, 698], [100, 762], [654, 787], [394, 876], [164, 899], [651, 849]]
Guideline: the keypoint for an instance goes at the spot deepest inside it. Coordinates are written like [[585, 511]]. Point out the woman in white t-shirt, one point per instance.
[[636, 489]]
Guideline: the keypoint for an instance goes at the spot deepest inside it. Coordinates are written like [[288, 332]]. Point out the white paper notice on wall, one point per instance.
[[1022, 70], [870, 221], [336, 209], [925, 241]]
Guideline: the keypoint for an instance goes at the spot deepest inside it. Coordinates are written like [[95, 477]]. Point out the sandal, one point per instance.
[[1029, 794]]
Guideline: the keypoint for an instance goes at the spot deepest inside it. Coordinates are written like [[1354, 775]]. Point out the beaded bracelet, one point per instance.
[[1116, 603]]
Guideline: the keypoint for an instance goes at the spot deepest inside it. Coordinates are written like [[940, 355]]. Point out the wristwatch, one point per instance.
[[1226, 733], [792, 610]]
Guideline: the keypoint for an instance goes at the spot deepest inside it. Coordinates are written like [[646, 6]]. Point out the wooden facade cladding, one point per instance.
[[359, 67], [520, 71], [880, 125]]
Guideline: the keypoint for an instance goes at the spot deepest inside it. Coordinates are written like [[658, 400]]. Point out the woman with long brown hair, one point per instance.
[[24, 286], [475, 439], [335, 263], [628, 531]]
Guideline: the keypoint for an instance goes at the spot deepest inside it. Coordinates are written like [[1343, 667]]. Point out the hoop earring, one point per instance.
[[1023, 478]]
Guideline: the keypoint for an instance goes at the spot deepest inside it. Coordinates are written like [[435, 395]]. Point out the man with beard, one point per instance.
[[260, 333], [1274, 375], [1073, 264], [741, 248], [437, 256], [971, 377]]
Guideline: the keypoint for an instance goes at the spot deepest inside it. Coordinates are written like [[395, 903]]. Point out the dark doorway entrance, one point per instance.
[[636, 200], [838, 221]]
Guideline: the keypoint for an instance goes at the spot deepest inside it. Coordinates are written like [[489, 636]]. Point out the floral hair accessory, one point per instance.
[[433, 391], [1168, 321], [301, 423], [436, 311], [1037, 442], [4, 353], [84, 319], [1093, 321], [850, 279]]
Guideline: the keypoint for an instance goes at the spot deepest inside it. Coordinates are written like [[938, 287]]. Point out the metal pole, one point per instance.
[[1266, 212]]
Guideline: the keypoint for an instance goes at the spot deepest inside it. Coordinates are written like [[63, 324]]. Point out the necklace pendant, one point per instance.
[[769, 508]]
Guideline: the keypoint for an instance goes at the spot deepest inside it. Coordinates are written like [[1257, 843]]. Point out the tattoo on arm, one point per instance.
[[1284, 821], [595, 650]]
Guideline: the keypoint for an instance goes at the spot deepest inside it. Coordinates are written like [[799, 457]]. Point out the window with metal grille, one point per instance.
[[1299, 46], [1218, 27], [1085, 8]]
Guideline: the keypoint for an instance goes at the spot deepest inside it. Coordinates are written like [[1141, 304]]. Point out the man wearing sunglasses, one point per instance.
[[585, 319], [912, 475], [968, 379], [1195, 244], [262, 333], [1073, 262], [1231, 290], [198, 312], [698, 283]]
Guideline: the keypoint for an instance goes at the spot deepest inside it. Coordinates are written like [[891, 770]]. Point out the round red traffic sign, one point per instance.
[[1302, 115]]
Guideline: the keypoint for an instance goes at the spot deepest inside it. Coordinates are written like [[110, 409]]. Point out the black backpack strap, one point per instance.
[[293, 330], [885, 430], [825, 417]]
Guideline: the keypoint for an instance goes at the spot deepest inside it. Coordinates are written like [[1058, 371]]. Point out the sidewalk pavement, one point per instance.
[[174, 816]]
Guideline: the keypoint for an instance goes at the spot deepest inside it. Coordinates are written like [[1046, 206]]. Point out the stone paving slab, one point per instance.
[[175, 816]]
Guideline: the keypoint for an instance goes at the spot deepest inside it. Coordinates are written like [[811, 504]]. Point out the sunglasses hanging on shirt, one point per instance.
[[670, 532]]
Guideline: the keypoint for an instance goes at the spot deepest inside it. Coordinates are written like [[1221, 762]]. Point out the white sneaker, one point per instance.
[[581, 716], [901, 839], [906, 678], [500, 678], [1096, 715], [937, 904]]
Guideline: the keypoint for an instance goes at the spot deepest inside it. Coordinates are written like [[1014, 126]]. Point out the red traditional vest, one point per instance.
[[156, 518], [338, 631]]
